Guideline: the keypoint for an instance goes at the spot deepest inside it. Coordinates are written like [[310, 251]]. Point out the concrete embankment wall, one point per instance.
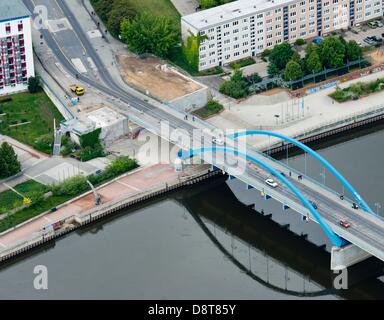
[[75, 221], [372, 117]]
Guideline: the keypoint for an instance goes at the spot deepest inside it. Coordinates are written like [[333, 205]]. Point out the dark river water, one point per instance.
[[204, 242]]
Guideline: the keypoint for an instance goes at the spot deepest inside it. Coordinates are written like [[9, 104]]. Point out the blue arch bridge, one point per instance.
[[359, 237]]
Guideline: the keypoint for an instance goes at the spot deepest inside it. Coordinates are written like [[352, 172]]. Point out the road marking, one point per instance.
[[129, 186], [3, 245], [60, 67], [79, 65]]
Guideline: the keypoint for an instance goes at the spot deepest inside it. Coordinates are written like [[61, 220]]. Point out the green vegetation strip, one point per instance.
[[35, 108], [62, 192], [210, 109], [10, 200], [357, 90]]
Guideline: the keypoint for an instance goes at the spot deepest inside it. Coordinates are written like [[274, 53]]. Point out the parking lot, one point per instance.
[[363, 32]]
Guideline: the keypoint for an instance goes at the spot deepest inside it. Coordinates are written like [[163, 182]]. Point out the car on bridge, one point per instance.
[[314, 205], [272, 183], [355, 206], [217, 141], [344, 223]]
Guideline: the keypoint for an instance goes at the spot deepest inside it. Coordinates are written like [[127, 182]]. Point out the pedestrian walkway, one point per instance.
[[128, 185]]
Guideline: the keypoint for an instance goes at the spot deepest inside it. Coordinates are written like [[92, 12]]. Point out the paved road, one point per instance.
[[366, 231]]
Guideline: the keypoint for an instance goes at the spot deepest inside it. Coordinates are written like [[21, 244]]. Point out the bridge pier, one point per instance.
[[347, 256]]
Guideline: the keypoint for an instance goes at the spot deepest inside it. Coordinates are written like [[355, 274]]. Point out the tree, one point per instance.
[[148, 34], [33, 84], [280, 55], [103, 8], [272, 69], [313, 62], [9, 164], [122, 9], [293, 70], [354, 52], [190, 50], [236, 87], [332, 52]]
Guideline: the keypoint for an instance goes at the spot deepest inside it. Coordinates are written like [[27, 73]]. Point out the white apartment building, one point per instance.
[[244, 28], [16, 56]]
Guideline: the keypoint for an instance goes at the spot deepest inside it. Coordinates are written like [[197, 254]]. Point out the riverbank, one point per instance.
[[127, 190]]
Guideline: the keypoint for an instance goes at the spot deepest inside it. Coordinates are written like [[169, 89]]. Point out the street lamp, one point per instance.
[[378, 207], [323, 175], [277, 118]]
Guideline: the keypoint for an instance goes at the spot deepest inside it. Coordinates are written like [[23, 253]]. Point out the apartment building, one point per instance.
[[245, 28], [16, 56]]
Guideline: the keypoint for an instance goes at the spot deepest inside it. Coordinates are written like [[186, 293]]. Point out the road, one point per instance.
[[367, 231]]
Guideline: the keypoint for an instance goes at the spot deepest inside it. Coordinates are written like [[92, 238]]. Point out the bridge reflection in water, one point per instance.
[[271, 254]]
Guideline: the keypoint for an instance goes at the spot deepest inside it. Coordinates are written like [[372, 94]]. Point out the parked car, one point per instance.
[[379, 24], [369, 41], [272, 183], [372, 24]]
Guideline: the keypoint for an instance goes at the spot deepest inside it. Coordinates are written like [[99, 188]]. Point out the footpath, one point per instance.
[[133, 187]]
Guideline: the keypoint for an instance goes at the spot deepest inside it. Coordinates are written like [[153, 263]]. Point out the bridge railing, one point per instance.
[[312, 180]]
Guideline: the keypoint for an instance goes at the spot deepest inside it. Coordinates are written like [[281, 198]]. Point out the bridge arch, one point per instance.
[[335, 239], [314, 154]]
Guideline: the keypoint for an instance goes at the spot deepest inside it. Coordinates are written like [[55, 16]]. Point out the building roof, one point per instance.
[[10, 10], [230, 11]]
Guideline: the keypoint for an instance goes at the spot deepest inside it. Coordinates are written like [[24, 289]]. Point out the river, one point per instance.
[[203, 243]]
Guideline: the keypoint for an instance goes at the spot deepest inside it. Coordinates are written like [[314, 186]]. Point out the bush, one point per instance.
[[242, 63], [115, 168], [357, 90], [71, 187], [265, 53], [34, 84], [44, 143], [299, 42]]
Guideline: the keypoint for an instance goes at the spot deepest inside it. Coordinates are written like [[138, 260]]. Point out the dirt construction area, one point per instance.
[[155, 76], [376, 57]]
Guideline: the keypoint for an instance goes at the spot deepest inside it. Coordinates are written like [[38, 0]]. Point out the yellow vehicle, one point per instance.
[[77, 90]]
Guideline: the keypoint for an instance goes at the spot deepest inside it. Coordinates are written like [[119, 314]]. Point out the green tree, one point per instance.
[[122, 9], [313, 62], [272, 69], [103, 8], [33, 84], [332, 52], [236, 87], [293, 70], [280, 55], [148, 34], [9, 164], [354, 52]]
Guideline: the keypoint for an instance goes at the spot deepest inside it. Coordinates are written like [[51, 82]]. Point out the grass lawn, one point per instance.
[[38, 110], [30, 186], [9, 198], [32, 211], [162, 8]]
